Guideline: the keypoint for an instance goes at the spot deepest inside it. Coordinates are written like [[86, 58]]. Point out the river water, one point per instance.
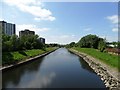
[[59, 69]]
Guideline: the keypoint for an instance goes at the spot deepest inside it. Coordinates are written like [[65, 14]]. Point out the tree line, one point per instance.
[[92, 41], [25, 42], [53, 45]]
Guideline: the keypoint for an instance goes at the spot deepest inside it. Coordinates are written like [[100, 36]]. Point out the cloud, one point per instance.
[[115, 29], [88, 29], [64, 36], [30, 27], [25, 2], [62, 39], [42, 81], [73, 35], [33, 7], [50, 18], [114, 20], [39, 80], [110, 38]]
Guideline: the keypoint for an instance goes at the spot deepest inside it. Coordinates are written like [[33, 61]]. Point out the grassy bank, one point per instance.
[[14, 57], [107, 58]]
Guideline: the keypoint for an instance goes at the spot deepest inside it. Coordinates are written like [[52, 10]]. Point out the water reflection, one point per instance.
[[58, 69], [13, 76], [42, 81], [85, 65]]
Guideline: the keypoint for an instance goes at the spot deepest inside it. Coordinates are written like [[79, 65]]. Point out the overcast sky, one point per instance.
[[62, 22]]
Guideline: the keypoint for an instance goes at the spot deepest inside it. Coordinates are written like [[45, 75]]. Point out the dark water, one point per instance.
[[60, 69]]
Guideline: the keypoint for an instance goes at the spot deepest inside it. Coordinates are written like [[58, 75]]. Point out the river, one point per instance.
[[59, 69]]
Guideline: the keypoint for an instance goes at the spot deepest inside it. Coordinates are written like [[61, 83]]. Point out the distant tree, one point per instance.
[[5, 38], [47, 45], [5, 43], [53, 45], [102, 45], [76, 45], [22, 41], [7, 46], [14, 42], [118, 44], [89, 41], [72, 44], [27, 45], [25, 42], [29, 42], [115, 44]]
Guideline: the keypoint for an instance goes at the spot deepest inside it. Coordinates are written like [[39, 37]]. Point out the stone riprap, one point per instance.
[[106, 74]]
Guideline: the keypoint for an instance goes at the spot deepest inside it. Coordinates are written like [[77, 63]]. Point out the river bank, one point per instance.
[[109, 76], [29, 59], [59, 69]]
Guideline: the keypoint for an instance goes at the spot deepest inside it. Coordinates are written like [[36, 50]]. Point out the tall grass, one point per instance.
[[13, 57], [105, 57]]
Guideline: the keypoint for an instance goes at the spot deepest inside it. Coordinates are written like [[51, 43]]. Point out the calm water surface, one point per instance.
[[60, 69]]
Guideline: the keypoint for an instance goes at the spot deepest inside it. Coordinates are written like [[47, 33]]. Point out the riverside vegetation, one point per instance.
[[104, 63], [107, 58], [96, 47], [16, 56], [15, 49]]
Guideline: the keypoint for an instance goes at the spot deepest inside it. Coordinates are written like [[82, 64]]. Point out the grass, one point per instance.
[[105, 57], [14, 57]]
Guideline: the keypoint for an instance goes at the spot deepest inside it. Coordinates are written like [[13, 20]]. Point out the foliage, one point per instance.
[[113, 44], [101, 45], [89, 41], [53, 45], [16, 56], [118, 45], [14, 42], [72, 44], [25, 42]]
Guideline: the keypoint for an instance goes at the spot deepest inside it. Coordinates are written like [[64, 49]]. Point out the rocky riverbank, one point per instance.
[[109, 76]]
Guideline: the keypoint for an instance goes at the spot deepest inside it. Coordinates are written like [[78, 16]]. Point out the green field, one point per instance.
[[14, 57], [107, 58]]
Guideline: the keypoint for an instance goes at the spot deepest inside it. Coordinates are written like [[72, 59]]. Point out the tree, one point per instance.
[[118, 45], [38, 45], [14, 42], [7, 46], [5, 43], [115, 44], [72, 44], [25, 42], [102, 45], [89, 41]]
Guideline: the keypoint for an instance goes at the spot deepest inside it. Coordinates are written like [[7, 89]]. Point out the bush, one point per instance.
[[102, 45], [25, 42], [89, 41]]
